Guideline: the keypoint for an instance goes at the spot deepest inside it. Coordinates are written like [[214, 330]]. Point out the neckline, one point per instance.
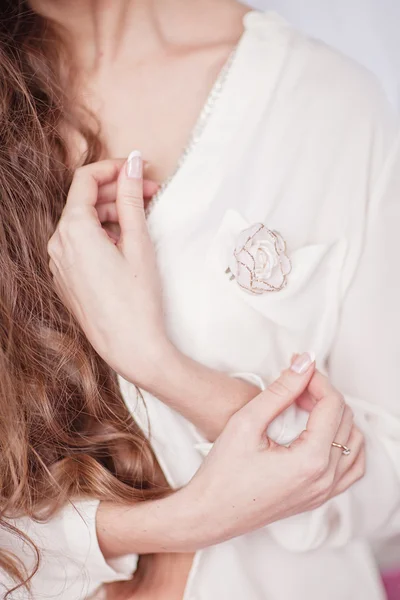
[[199, 126], [203, 117], [243, 84]]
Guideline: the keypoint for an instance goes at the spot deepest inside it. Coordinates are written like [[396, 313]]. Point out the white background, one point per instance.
[[367, 30]]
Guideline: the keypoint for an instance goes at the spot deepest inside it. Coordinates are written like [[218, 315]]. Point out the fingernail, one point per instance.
[[302, 362], [134, 167]]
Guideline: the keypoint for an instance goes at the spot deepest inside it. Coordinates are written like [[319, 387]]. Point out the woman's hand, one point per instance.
[[248, 481], [104, 270], [110, 282]]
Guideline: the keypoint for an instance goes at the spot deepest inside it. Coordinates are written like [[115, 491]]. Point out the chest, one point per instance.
[[154, 106]]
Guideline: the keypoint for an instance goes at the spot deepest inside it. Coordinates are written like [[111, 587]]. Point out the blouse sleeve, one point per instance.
[[364, 365], [72, 565]]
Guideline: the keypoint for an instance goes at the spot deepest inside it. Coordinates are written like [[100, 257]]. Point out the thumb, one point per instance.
[[129, 202], [281, 394]]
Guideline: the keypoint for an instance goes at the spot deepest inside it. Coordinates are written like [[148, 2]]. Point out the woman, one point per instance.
[[281, 139]]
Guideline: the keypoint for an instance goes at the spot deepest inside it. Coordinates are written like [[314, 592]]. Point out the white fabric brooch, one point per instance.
[[262, 264]]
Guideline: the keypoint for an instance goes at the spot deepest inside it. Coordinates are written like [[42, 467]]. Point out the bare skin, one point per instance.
[[164, 579], [147, 66]]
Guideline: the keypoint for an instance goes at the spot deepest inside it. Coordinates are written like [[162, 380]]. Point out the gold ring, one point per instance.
[[345, 450]]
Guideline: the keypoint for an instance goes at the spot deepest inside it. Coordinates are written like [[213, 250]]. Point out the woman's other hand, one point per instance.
[[248, 481], [110, 282]]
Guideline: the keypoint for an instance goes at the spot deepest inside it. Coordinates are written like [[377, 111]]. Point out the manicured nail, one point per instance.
[[302, 362], [134, 167]]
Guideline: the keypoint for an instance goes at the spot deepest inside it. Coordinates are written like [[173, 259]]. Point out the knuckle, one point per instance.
[[63, 228], [280, 388], [67, 234], [132, 198], [51, 247], [72, 217], [79, 172], [54, 247], [72, 225], [64, 225]]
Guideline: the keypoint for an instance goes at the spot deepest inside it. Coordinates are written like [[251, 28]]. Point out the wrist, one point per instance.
[[186, 509], [207, 398], [169, 368], [199, 524], [154, 365], [171, 524]]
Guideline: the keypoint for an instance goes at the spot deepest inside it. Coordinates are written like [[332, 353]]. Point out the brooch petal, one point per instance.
[[262, 264]]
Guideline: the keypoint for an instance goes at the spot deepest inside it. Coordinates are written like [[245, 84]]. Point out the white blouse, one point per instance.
[[302, 140]]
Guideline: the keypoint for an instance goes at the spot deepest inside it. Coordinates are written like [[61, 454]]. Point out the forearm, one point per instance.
[[172, 524], [206, 397]]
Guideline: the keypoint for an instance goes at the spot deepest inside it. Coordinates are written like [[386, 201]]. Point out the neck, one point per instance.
[[103, 28]]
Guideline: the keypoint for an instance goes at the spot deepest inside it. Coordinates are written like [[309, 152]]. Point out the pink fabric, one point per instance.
[[391, 580]]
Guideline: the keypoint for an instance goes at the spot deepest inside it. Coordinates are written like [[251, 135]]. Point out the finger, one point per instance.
[[108, 192], [356, 443], [107, 212], [87, 180], [342, 437], [354, 474], [130, 204], [326, 416], [306, 401], [320, 386], [280, 394]]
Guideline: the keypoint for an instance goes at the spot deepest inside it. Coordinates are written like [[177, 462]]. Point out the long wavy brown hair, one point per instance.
[[64, 429]]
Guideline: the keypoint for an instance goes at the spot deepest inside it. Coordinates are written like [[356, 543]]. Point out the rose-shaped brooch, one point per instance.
[[262, 264]]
